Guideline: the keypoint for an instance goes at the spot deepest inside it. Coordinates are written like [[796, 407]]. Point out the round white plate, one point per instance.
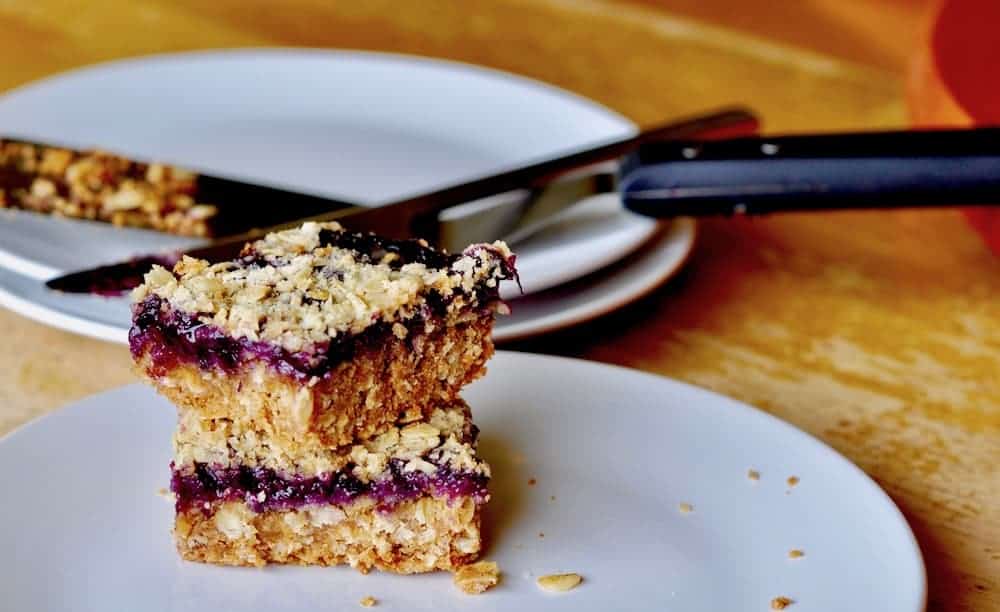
[[323, 122], [319, 121], [612, 452]]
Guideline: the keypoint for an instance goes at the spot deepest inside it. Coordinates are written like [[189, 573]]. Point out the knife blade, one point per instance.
[[419, 215]]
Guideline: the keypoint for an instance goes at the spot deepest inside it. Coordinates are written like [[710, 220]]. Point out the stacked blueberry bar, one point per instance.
[[317, 380]]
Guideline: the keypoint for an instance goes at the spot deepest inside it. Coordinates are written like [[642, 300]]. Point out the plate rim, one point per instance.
[[385, 56], [716, 399], [685, 228]]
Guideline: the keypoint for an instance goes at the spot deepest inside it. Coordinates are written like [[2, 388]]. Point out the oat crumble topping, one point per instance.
[[101, 186], [294, 289], [445, 439]]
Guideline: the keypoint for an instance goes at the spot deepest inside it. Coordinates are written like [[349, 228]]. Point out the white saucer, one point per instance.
[[335, 123], [613, 454]]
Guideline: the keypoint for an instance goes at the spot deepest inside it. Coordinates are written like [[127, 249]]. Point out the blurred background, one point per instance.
[[647, 59]]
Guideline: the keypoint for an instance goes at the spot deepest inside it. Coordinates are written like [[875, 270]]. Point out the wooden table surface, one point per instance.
[[877, 332]]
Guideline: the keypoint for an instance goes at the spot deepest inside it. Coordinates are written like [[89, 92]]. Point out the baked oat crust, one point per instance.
[[417, 536], [101, 186], [446, 438], [403, 379]]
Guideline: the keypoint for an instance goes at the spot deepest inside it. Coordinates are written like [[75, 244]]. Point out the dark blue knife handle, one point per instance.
[[801, 173]]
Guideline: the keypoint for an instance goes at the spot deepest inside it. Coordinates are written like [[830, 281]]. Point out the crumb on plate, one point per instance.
[[753, 475], [793, 480], [532, 482], [559, 583], [795, 553], [685, 508], [477, 577], [780, 603], [368, 602]]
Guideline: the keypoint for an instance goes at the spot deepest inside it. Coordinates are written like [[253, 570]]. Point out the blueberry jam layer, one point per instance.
[[263, 489], [371, 248], [172, 338]]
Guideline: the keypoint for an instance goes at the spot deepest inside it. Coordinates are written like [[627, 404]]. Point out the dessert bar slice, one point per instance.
[[101, 186], [320, 331], [405, 501]]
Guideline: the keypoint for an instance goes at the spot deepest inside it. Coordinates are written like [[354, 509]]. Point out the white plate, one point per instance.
[[317, 121], [270, 115], [614, 452]]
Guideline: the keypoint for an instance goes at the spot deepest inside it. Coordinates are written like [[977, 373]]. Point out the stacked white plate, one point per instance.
[[362, 127]]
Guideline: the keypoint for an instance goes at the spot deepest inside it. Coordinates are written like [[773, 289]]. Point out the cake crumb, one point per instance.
[[559, 583], [685, 508], [795, 553], [753, 475], [541, 534], [552, 498], [780, 603], [793, 480], [477, 577], [368, 602], [532, 482]]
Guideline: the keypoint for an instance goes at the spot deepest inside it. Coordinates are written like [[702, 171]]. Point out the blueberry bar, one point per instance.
[[100, 186], [320, 331], [405, 501]]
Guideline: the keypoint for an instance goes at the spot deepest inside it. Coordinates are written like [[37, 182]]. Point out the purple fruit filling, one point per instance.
[[264, 489], [120, 279], [172, 337]]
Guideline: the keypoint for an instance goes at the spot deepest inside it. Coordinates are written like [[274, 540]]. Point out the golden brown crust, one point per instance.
[[445, 439], [421, 535], [402, 380]]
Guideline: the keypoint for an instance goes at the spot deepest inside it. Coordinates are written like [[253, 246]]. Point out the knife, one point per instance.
[[550, 184]]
